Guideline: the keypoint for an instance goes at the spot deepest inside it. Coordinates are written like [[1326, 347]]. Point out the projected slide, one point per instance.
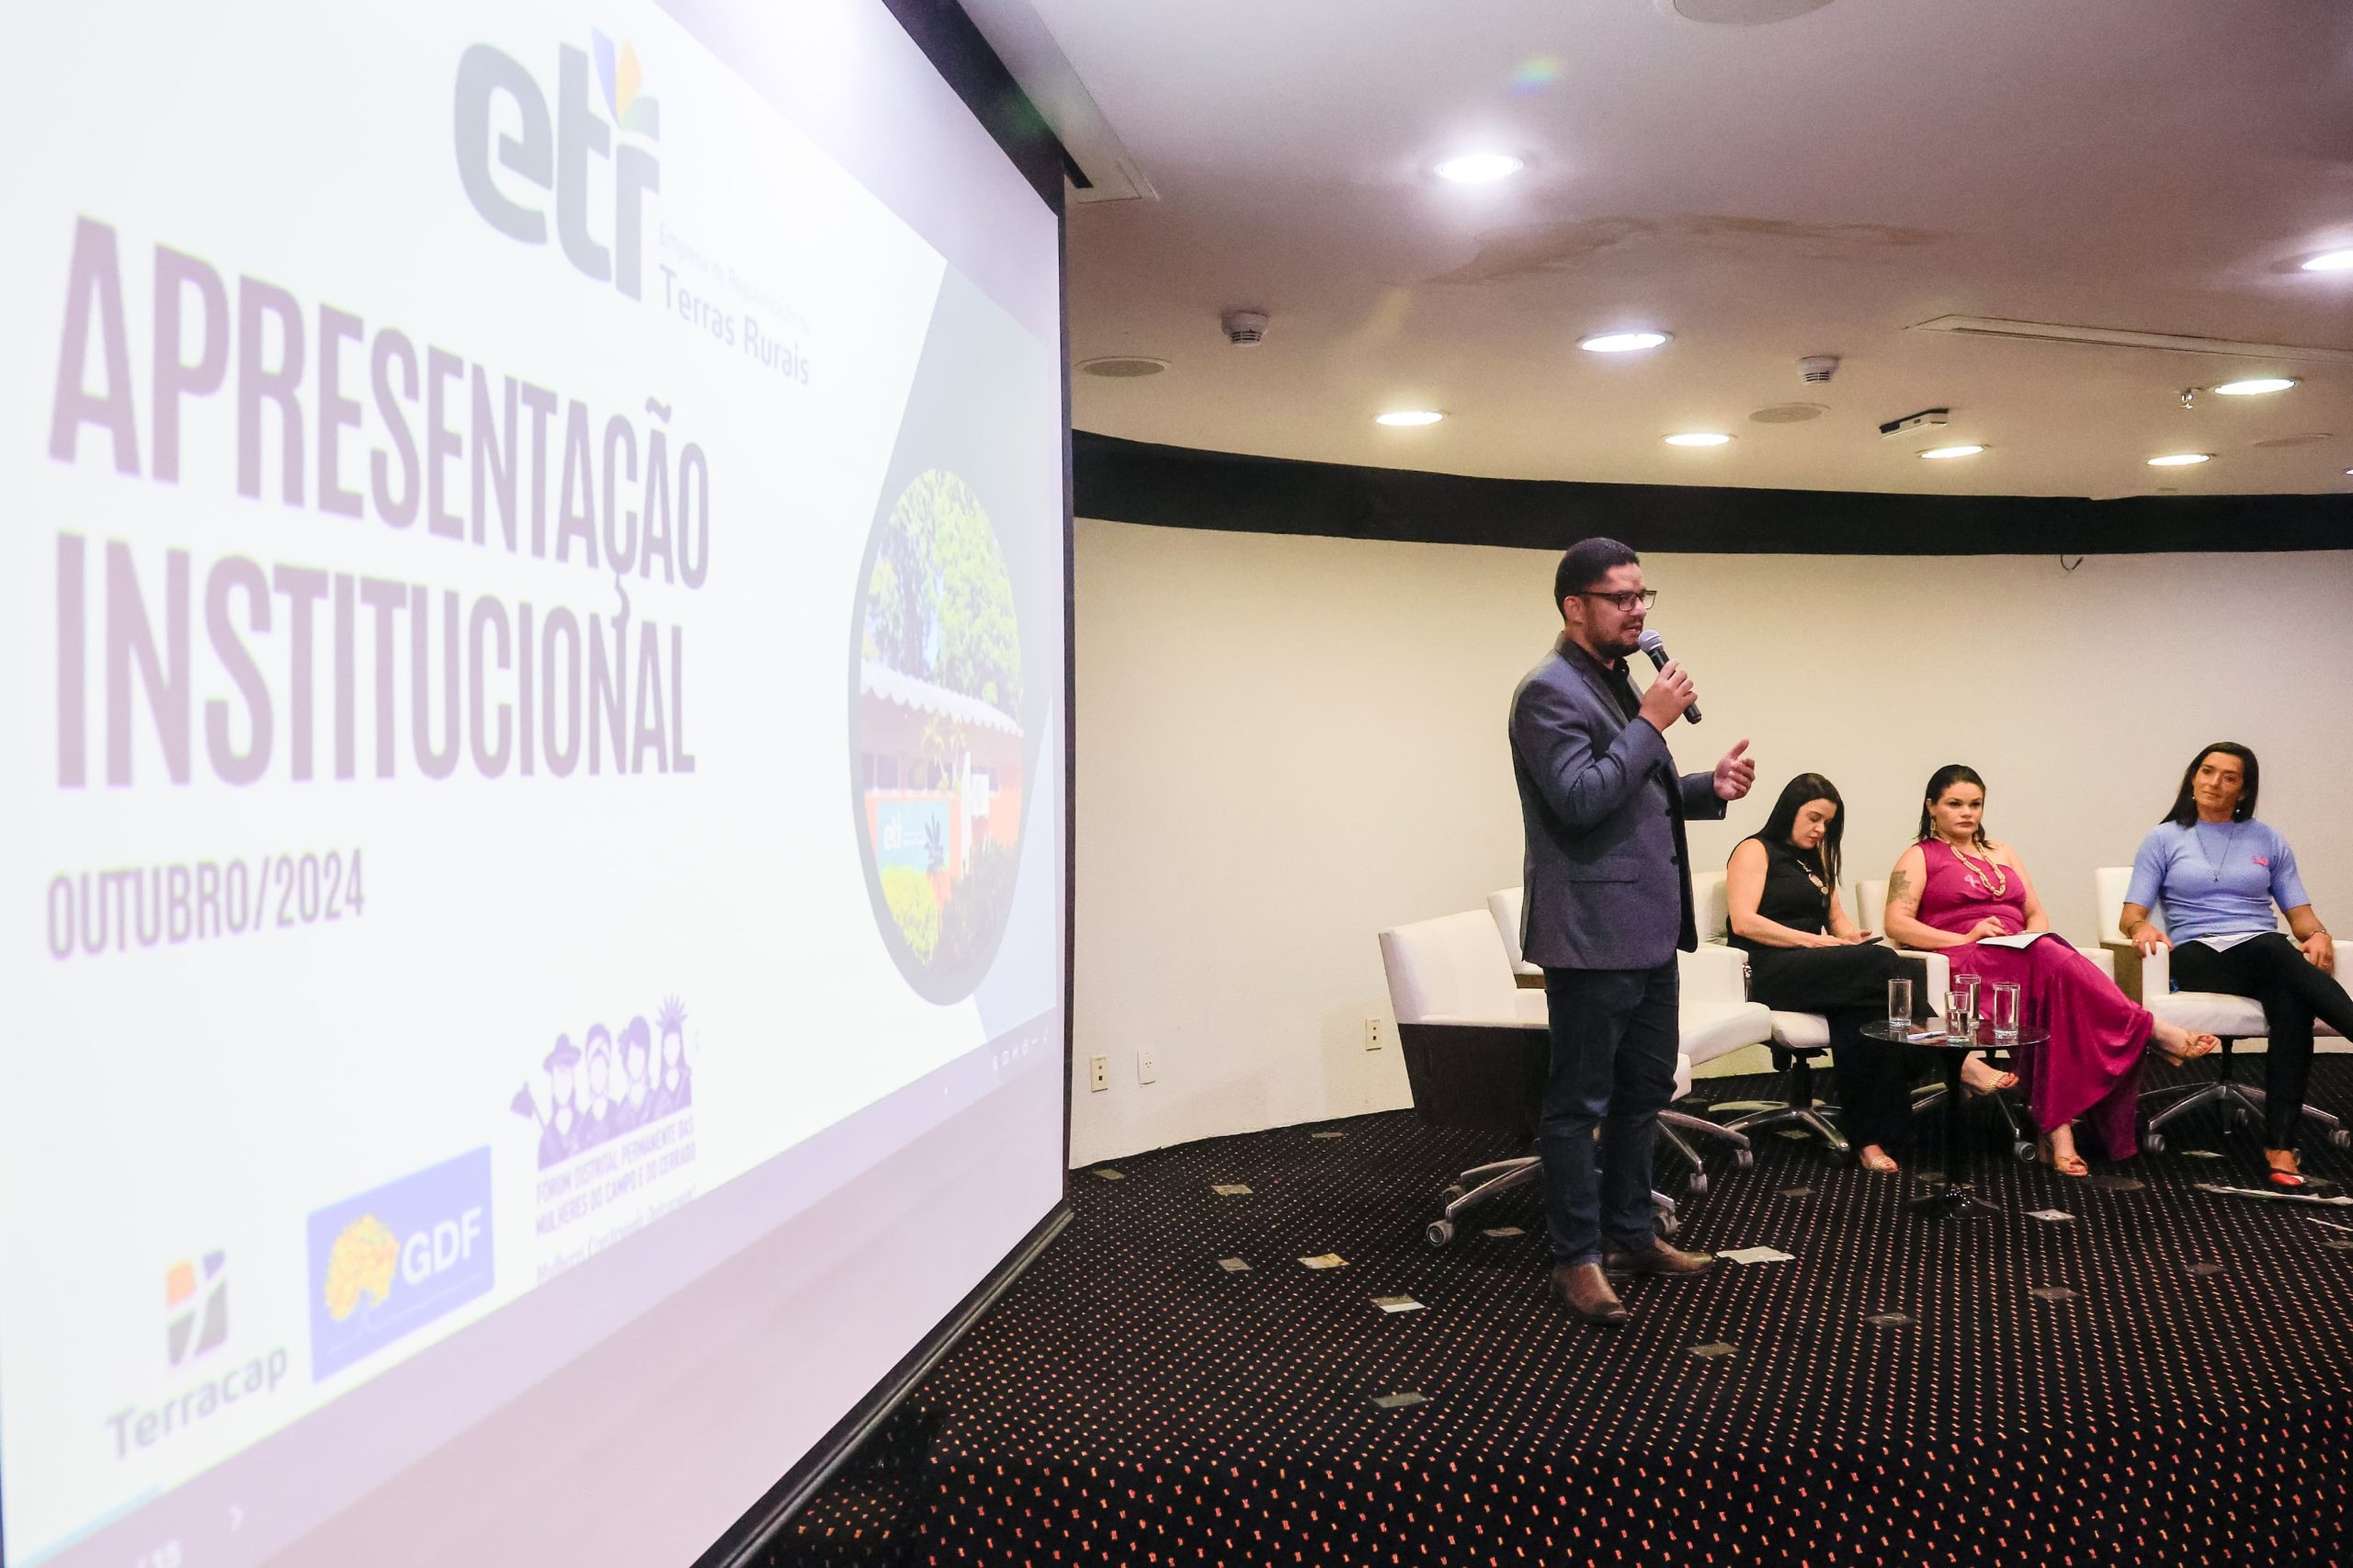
[[533, 589]]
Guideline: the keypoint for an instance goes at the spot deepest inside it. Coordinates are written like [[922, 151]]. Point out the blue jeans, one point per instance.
[[1614, 1044]]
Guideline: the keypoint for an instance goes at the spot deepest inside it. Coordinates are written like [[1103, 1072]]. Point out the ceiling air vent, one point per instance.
[[1096, 165], [1123, 367], [1739, 13], [2117, 337]]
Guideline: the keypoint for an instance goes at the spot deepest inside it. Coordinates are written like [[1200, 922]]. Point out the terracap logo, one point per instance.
[[196, 1303], [516, 161], [195, 1323]]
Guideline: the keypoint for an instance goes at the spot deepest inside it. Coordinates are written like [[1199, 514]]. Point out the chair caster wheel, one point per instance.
[[2023, 1151], [2154, 1142], [1698, 1185], [1440, 1233], [1743, 1159], [1454, 1193], [2342, 1138], [2240, 1120]]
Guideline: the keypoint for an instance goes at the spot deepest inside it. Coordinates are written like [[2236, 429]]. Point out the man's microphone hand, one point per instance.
[[1735, 774], [1668, 696]]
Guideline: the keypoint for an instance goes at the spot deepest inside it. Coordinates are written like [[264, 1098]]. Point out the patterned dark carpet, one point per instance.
[[1132, 1401]]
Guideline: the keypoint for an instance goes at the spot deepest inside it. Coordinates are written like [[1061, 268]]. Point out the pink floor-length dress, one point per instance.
[[2091, 1066]]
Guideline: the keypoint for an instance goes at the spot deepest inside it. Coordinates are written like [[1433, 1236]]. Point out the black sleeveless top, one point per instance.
[[1796, 893]]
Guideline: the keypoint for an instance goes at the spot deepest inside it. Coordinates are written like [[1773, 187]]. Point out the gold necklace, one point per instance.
[[1994, 877]]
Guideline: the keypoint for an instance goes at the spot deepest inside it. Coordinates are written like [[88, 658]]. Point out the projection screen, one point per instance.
[[534, 586]]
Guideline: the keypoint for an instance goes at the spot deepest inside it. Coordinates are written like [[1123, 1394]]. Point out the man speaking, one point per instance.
[[1608, 903]]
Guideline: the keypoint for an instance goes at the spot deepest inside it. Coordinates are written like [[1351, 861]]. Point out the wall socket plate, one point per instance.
[[1099, 1074], [1147, 1070], [1375, 1035]]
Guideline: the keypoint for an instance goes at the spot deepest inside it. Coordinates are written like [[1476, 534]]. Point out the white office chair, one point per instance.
[[1476, 1048], [1798, 1038], [2219, 1013], [1714, 1017]]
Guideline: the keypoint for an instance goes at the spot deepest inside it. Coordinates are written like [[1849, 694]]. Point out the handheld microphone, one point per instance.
[[1651, 643]]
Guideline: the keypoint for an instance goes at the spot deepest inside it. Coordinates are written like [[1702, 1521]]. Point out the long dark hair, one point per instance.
[[1777, 827], [2184, 803], [1943, 779]]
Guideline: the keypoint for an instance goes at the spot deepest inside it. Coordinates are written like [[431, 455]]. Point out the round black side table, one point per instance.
[[1953, 1201]]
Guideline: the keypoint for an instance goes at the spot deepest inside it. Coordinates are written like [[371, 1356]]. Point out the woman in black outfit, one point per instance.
[[1806, 956]]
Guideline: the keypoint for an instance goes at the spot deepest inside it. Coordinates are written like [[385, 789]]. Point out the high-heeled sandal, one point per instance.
[[1878, 1160], [2289, 1174], [2201, 1045], [1970, 1091], [2073, 1165]]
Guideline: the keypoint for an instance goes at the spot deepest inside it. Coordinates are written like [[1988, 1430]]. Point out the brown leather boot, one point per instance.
[[1659, 1258], [1586, 1290]]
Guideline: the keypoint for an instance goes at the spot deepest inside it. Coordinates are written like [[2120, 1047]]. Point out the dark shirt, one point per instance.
[[1661, 783]]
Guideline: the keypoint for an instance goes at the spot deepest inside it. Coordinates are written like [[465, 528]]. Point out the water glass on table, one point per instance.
[[1899, 1007], [1961, 1007], [2003, 1009]]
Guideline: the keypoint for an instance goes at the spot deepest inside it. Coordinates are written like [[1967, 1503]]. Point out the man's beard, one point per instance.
[[1622, 649]]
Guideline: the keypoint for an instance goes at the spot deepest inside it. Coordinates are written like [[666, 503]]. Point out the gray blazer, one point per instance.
[[1606, 870]]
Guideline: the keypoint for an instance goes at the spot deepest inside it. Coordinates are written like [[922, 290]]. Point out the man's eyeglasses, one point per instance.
[[1626, 601]]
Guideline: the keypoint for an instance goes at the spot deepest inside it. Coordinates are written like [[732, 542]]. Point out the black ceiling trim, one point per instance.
[[1135, 481]]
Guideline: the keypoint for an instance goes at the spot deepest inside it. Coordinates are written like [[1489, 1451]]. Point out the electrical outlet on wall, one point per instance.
[[1375, 1036], [1147, 1070], [1099, 1074]]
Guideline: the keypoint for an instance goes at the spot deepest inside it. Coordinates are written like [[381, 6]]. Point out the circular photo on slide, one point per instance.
[[937, 735]]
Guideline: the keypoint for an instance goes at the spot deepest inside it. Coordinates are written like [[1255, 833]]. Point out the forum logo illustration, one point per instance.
[[938, 738], [387, 1262], [194, 1326], [609, 1087]]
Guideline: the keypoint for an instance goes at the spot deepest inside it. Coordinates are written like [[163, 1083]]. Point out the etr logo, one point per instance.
[[498, 100]]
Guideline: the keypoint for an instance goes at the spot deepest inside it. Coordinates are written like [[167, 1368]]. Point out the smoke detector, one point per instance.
[[1245, 329], [1816, 369]]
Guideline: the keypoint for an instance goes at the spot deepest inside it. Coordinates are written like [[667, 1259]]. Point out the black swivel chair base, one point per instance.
[[1480, 1183], [1797, 1108], [2243, 1104]]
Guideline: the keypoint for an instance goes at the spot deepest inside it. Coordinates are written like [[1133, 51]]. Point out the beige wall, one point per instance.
[[1286, 744]]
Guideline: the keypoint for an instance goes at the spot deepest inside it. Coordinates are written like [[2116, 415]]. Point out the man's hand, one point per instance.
[[1668, 696], [2320, 948], [1989, 926], [1735, 774], [2148, 939]]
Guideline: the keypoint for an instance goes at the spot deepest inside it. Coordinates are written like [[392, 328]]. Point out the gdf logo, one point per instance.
[[502, 120], [443, 1246]]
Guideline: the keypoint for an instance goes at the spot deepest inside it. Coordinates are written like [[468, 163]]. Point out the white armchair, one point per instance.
[[2232, 1018], [1476, 1048], [1714, 1018]]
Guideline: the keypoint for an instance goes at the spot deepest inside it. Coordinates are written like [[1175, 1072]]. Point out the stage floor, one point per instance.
[[2164, 1377]]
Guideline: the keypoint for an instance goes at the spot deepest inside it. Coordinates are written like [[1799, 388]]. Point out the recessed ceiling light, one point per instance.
[[1480, 168], [1409, 417], [1966, 449], [2333, 261], [1622, 342], [1698, 438], [2256, 386], [2179, 459]]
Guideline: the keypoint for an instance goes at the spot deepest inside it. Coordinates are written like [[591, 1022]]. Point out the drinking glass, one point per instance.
[[1961, 1010], [1899, 1007], [2004, 1012]]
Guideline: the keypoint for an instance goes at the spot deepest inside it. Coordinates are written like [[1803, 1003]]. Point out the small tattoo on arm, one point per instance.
[[1898, 884]]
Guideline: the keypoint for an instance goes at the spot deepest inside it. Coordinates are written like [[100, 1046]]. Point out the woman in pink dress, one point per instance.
[[1955, 887]]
